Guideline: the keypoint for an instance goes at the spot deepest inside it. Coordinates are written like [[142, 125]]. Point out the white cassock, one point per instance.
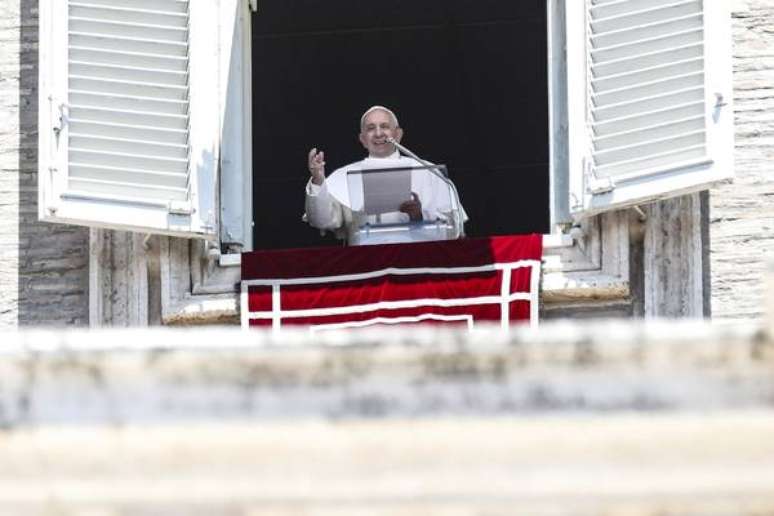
[[328, 206]]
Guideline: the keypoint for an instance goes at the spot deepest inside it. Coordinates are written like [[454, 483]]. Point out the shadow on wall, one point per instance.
[[53, 258]]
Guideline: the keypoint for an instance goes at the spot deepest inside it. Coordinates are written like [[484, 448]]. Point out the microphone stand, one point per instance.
[[460, 224]]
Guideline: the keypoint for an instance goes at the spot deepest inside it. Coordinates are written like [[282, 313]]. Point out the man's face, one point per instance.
[[378, 126]]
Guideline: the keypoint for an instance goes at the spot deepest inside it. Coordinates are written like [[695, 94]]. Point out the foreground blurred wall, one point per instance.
[[608, 418]]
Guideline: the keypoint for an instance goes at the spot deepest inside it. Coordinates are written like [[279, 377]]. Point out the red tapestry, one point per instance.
[[452, 282]]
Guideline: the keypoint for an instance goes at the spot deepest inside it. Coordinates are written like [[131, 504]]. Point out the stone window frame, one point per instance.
[[190, 282], [197, 284]]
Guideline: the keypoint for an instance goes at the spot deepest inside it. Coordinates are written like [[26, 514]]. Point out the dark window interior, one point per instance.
[[467, 80]]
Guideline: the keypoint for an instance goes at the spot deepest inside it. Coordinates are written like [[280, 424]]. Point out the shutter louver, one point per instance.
[[646, 73], [128, 100]]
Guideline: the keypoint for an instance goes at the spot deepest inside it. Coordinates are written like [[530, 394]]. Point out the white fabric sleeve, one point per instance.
[[323, 211]]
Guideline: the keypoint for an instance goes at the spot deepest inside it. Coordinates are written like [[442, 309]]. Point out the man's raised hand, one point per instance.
[[317, 166]]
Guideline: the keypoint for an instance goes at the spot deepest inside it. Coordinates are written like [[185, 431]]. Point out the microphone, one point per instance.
[[407, 152], [436, 172], [422, 162]]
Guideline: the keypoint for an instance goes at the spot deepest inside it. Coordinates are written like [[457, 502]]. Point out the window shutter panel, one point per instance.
[[650, 94], [119, 126]]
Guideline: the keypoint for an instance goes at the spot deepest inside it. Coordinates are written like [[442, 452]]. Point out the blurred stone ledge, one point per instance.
[[610, 418], [164, 375]]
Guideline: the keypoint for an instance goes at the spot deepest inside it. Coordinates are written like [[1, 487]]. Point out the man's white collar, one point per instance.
[[394, 155]]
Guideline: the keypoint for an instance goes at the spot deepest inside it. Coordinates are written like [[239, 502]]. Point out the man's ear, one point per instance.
[[398, 134], [363, 140]]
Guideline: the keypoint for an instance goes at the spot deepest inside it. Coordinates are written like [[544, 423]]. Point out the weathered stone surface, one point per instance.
[[44, 267], [742, 214], [9, 176]]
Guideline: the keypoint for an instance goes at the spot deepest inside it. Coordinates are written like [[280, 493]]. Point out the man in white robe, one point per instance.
[[328, 206]]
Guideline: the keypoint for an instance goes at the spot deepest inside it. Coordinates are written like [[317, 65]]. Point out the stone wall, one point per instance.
[[742, 213], [157, 376], [9, 162], [43, 267]]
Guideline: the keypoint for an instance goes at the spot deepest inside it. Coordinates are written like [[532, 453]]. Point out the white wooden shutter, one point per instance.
[[649, 99], [127, 138], [236, 141]]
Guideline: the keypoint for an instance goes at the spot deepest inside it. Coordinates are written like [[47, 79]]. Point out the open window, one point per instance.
[[638, 106], [468, 81], [631, 97], [146, 107]]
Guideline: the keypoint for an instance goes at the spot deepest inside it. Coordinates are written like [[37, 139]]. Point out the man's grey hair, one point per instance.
[[378, 108]]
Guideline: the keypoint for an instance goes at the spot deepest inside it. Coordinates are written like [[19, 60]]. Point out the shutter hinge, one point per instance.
[[596, 185], [64, 115], [180, 208]]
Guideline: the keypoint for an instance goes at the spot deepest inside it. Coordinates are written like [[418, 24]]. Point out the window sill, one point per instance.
[[230, 260], [593, 268], [557, 241], [551, 241]]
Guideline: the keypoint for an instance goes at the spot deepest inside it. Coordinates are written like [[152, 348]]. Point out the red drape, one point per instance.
[[456, 282]]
